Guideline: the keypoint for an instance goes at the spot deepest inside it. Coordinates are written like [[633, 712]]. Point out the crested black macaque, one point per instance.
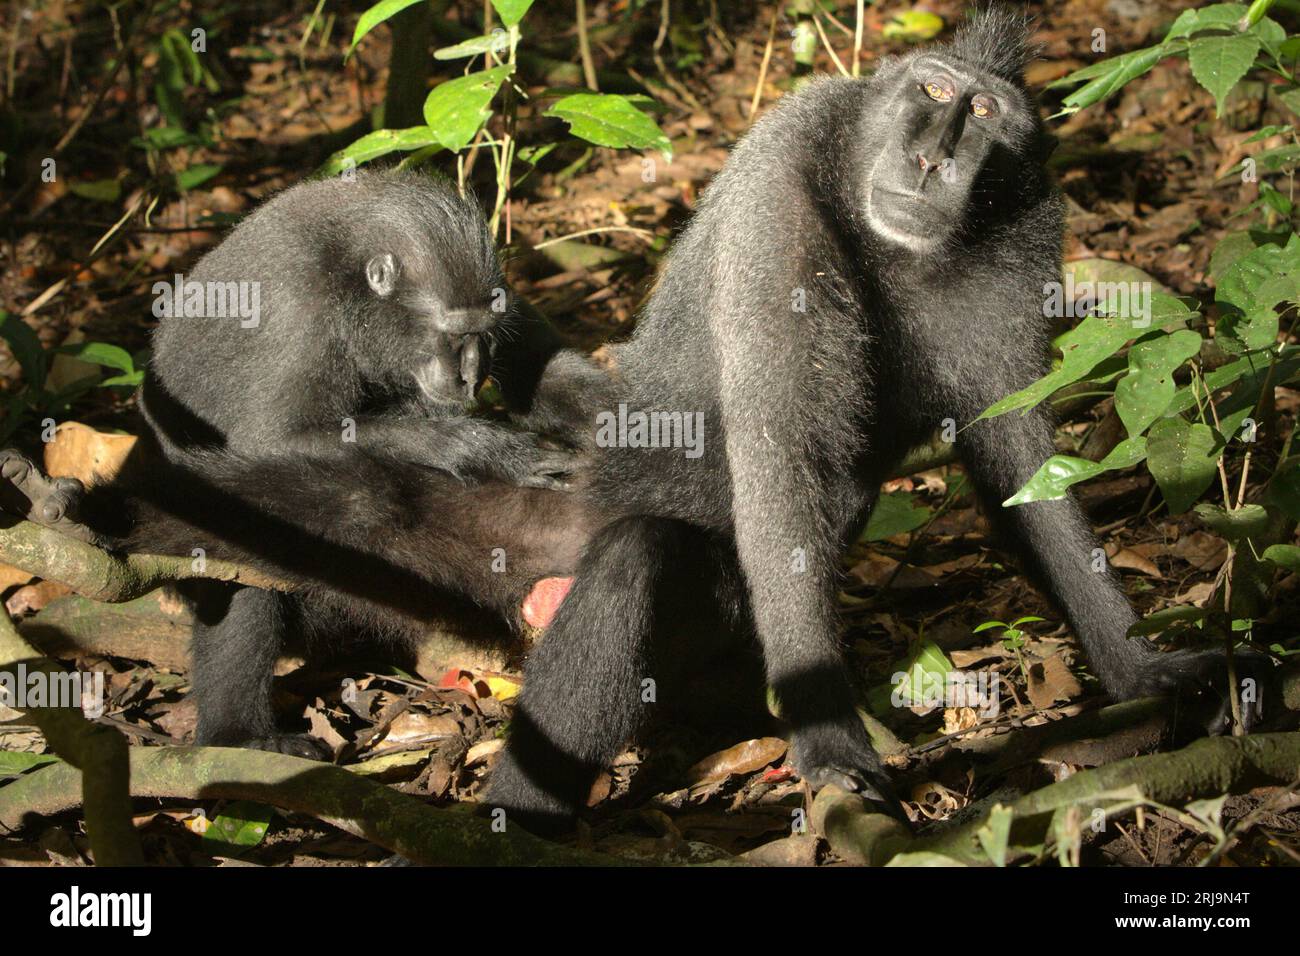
[[306, 405], [872, 260]]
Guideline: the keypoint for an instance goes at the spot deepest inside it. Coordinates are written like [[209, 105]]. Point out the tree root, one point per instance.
[[1206, 768], [96, 755], [97, 574], [369, 810]]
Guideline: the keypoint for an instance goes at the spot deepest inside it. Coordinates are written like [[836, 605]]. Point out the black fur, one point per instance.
[[924, 301], [376, 308]]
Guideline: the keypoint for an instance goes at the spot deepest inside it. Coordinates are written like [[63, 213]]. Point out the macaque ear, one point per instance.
[[381, 273]]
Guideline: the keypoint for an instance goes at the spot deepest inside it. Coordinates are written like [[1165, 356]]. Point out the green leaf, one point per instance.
[[1219, 63], [1145, 392], [26, 347], [1182, 457], [242, 823], [1218, 16], [457, 108], [996, 833], [607, 119], [1162, 620], [1284, 489], [927, 673], [497, 42], [914, 26], [100, 190], [1059, 472], [1284, 556], [131, 380], [379, 143], [511, 11], [196, 176], [375, 16], [1248, 521], [1083, 348], [101, 353], [1119, 72], [894, 513], [1249, 291]]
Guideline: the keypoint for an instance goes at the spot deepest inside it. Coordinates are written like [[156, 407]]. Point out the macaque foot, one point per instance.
[[526, 803], [295, 745], [1199, 680], [842, 754], [26, 491]]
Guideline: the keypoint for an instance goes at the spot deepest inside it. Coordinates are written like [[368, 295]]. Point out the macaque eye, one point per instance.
[[937, 91], [381, 274], [983, 106]]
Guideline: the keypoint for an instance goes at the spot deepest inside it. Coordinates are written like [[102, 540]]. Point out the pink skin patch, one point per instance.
[[544, 600]]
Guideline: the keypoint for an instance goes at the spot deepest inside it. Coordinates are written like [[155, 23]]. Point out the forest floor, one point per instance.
[[1142, 174]]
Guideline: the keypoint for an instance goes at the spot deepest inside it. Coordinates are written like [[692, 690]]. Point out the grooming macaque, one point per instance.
[[308, 434]]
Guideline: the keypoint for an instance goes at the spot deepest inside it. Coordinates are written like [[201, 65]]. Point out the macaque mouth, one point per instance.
[[455, 369]]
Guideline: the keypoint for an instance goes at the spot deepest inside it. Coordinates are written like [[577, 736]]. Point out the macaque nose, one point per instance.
[[456, 370], [465, 321]]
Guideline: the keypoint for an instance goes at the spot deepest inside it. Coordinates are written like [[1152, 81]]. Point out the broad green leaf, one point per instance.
[[1265, 276], [100, 190], [1235, 526], [511, 11], [1229, 249], [131, 380], [1250, 289], [607, 119], [379, 143], [497, 42], [166, 137], [1082, 348], [996, 833], [1283, 555], [1059, 472], [895, 513], [26, 347], [1218, 16], [242, 823], [196, 176], [1284, 489], [927, 673], [376, 15], [1182, 457], [1145, 392], [457, 108], [1219, 63], [101, 353], [914, 26]]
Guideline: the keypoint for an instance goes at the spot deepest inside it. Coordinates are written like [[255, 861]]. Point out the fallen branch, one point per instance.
[[102, 576], [366, 809], [96, 756], [1206, 768]]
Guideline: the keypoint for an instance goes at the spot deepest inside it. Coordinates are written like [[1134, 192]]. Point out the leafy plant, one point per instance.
[[35, 399], [459, 112], [1013, 637], [1195, 403]]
